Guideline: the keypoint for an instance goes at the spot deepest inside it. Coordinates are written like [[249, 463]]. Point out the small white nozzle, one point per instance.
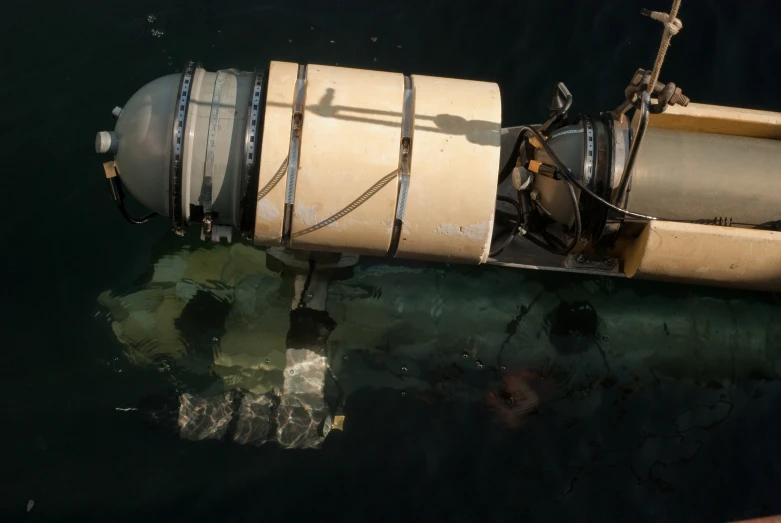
[[106, 142]]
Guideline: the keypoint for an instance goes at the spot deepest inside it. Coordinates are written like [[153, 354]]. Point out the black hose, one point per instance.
[[514, 232], [118, 197], [137, 221], [560, 248], [578, 222], [552, 239]]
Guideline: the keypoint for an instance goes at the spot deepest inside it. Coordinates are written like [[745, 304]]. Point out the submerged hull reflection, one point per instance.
[[439, 336]]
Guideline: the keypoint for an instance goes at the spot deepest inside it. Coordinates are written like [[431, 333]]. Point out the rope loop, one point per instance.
[[671, 26]]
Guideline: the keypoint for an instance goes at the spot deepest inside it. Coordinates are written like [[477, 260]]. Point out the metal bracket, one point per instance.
[[217, 233], [639, 133], [296, 125], [405, 160], [405, 153], [594, 263]]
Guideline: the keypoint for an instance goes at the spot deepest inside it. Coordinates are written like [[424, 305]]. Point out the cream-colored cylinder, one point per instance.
[[705, 254], [270, 212], [455, 161], [734, 121], [345, 195], [346, 190]]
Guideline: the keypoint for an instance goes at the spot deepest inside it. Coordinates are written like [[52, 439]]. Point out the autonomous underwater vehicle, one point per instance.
[[312, 159], [320, 165]]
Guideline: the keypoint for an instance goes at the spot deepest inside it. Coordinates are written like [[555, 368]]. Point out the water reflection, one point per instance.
[[609, 381]]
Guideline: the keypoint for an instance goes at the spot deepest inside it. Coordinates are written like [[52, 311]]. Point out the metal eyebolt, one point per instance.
[[666, 94]]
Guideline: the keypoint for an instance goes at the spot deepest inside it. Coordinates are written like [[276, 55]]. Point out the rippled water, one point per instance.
[[468, 393]]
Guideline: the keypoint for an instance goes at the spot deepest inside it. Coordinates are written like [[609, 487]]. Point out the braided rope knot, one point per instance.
[[672, 25]]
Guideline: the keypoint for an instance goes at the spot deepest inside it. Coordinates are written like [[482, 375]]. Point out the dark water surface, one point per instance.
[[660, 403]]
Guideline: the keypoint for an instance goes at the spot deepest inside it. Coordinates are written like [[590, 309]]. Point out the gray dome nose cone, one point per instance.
[[144, 134]]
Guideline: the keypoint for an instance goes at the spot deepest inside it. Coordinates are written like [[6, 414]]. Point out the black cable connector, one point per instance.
[[551, 243], [118, 197]]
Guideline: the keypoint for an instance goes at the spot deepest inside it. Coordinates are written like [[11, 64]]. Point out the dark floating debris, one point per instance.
[[572, 326]]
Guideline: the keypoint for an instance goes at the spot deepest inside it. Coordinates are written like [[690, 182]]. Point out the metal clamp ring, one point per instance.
[[588, 152], [175, 170], [252, 137]]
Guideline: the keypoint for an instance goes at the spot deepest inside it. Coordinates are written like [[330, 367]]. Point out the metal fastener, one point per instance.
[[679, 98]]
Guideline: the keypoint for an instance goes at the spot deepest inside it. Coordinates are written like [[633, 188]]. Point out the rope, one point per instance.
[[672, 25]]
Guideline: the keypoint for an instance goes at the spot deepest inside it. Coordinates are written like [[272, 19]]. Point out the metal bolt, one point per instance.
[[534, 195], [581, 258], [609, 262], [638, 77], [679, 98]]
